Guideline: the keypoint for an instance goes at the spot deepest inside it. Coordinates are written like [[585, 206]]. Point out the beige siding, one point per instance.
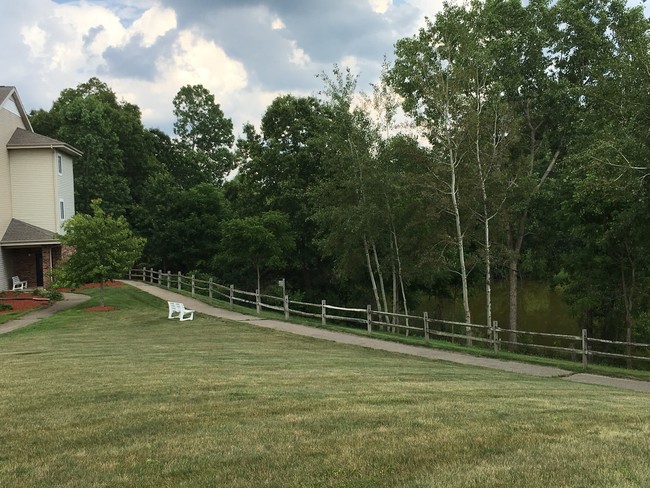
[[33, 187], [64, 187], [8, 124]]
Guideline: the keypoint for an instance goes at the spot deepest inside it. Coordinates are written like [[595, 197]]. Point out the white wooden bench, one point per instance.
[[178, 311], [18, 285]]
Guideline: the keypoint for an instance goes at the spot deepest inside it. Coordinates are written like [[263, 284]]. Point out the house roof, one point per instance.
[[24, 139], [8, 91], [19, 234]]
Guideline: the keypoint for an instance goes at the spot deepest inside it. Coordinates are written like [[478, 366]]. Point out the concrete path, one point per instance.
[[454, 357], [69, 301]]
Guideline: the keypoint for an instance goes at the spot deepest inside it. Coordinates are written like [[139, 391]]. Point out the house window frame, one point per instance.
[[61, 209], [59, 164]]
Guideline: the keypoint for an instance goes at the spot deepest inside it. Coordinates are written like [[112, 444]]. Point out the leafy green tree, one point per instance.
[[105, 247], [116, 156], [254, 244], [204, 132], [182, 226], [278, 170], [606, 51]]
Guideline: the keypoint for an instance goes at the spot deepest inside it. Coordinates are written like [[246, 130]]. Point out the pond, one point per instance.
[[540, 308]]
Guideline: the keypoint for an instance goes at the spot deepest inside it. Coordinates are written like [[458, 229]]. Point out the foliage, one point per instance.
[[105, 247], [111, 137], [253, 244], [279, 168], [205, 134]]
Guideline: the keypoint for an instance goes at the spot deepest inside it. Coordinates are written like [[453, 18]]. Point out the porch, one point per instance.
[[29, 252]]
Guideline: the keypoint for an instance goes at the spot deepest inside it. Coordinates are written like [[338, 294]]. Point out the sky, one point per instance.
[[246, 52]]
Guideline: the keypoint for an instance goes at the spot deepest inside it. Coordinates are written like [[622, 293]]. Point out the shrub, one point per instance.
[[5, 307]]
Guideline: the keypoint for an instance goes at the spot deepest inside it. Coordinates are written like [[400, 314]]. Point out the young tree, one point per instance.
[[104, 246]]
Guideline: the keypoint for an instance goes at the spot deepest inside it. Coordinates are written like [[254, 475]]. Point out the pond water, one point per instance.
[[540, 308]]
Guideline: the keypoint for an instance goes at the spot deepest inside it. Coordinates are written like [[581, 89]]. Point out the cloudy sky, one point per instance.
[[246, 52]]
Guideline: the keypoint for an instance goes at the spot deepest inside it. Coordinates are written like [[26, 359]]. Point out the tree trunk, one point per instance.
[[513, 264], [399, 271], [372, 274], [461, 247], [381, 282], [101, 292], [628, 292]]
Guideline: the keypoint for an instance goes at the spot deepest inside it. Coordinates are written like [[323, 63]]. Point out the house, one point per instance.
[[36, 195]]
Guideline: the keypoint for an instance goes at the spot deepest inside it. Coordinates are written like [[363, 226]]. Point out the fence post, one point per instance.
[[192, 285], [169, 278], [585, 350], [425, 323], [232, 295], [144, 274], [323, 319], [159, 277], [286, 307], [129, 273], [495, 336], [180, 287], [369, 318], [258, 301], [210, 288]]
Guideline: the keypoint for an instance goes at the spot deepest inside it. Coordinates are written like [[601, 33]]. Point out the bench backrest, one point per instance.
[[176, 306], [15, 279]]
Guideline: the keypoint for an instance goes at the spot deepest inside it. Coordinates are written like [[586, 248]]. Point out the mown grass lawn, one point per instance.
[[129, 398]]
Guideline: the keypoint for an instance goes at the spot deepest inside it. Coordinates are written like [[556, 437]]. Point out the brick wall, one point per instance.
[[24, 264]]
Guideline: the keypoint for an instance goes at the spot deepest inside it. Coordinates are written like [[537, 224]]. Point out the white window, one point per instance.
[[59, 164], [62, 210]]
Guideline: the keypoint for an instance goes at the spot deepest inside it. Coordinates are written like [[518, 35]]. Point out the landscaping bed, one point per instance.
[[19, 301]]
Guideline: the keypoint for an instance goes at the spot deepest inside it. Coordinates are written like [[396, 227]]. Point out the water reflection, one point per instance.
[[540, 308]]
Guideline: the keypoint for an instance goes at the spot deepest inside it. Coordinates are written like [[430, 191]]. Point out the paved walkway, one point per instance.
[[454, 357], [72, 299], [69, 301]]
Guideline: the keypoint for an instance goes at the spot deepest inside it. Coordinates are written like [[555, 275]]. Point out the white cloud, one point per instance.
[[350, 62], [298, 56], [195, 60], [380, 6], [277, 24], [35, 38], [153, 24]]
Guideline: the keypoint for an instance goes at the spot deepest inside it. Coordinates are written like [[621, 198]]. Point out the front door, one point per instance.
[[39, 268]]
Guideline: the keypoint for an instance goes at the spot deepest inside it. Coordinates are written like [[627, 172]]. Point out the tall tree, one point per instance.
[[278, 170], [204, 131], [115, 158]]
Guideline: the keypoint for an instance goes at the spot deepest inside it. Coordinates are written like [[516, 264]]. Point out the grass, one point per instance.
[[574, 366], [129, 398], [6, 317]]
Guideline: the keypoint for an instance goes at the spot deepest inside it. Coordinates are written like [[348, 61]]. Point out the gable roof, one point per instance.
[[21, 233], [10, 91], [24, 139]]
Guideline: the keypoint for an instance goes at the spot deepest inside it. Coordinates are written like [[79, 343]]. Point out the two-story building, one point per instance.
[[36, 195]]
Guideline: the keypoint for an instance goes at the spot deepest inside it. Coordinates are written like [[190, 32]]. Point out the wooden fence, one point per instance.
[[491, 336]]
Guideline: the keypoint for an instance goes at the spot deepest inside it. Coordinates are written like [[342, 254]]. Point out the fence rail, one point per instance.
[[417, 325]]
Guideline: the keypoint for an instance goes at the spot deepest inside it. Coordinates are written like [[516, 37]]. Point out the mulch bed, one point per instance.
[[105, 308], [93, 285], [21, 301]]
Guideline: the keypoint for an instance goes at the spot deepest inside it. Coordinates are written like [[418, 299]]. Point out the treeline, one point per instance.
[[505, 141]]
